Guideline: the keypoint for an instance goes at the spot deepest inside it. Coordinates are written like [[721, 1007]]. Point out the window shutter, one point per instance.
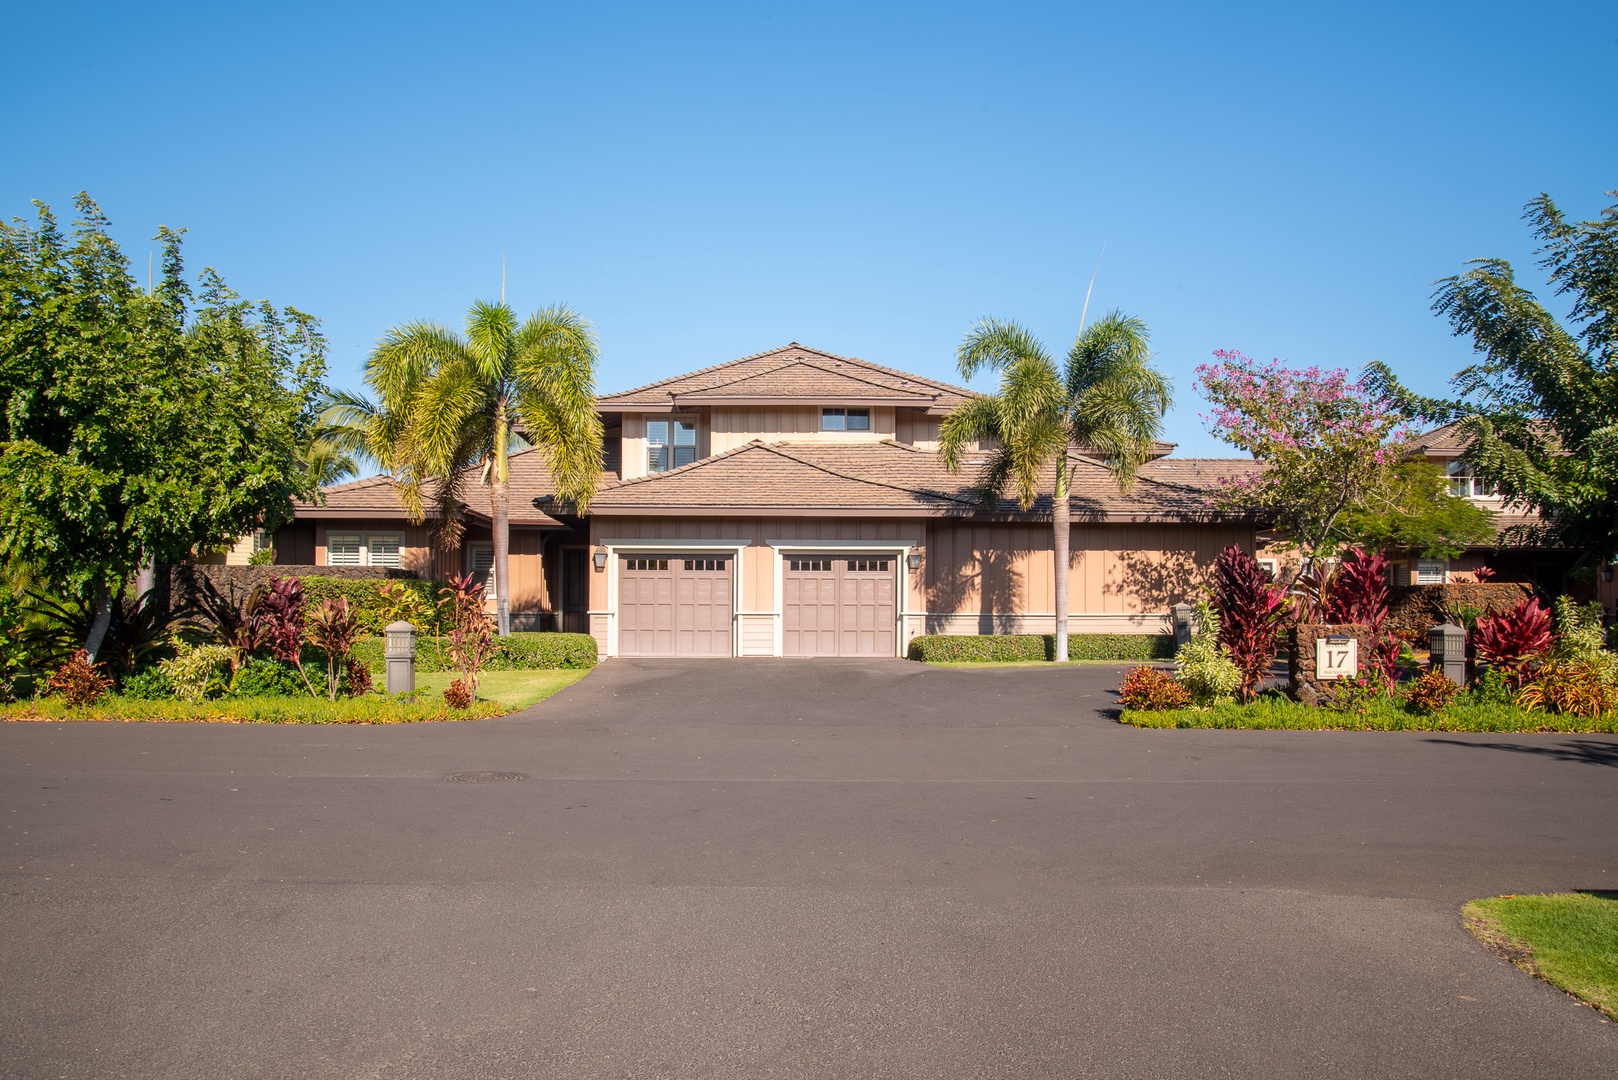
[[483, 567], [342, 551], [384, 550]]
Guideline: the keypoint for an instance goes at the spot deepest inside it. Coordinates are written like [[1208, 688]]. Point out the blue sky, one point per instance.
[[706, 182]]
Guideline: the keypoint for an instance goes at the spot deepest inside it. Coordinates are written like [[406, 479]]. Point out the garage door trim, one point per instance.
[[895, 549], [635, 546]]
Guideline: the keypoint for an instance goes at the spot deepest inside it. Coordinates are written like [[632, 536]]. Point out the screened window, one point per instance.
[[1431, 571], [845, 419], [343, 550], [670, 444], [1466, 484], [868, 566]]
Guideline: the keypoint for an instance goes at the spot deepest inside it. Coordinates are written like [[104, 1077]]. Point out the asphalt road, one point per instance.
[[787, 869]]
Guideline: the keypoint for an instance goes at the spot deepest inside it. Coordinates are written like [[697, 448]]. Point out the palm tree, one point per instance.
[[1106, 403], [332, 453], [450, 409]]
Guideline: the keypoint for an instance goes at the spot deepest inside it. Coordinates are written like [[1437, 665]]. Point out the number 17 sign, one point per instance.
[[1337, 657]]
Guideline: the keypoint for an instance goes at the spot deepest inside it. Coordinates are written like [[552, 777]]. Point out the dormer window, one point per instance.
[[670, 444], [845, 419], [1465, 484]]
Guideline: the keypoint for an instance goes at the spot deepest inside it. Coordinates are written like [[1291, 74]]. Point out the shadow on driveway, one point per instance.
[[1583, 751]]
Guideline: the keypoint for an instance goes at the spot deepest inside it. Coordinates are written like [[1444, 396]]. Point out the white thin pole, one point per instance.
[[1086, 310]]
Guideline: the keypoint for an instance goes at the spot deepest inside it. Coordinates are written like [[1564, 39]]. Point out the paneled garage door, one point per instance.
[[674, 605], [839, 606]]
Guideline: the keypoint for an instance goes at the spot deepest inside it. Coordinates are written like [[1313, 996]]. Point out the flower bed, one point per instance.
[[374, 709]]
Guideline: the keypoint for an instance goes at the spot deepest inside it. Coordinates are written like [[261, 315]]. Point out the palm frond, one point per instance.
[[491, 330], [970, 422], [994, 344]]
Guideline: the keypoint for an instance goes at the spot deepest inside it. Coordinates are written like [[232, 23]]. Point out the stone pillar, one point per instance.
[[1182, 624], [400, 651]]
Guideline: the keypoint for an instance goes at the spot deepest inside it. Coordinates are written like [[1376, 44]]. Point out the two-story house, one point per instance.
[[793, 503]]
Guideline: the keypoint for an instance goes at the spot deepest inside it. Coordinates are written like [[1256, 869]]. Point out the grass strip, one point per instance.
[[1569, 940], [1283, 714]]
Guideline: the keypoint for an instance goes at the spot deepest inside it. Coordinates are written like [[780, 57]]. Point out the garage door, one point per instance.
[[674, 605], [838, 606]]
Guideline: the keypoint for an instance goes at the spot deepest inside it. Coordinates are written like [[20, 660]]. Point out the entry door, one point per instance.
[[575, 591], [839, 606], [674, 605]]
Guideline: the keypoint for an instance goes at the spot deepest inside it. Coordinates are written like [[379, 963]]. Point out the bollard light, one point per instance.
[[399, 648], [1448, 643], [1182, 624]]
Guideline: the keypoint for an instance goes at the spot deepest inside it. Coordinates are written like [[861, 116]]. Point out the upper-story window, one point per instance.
[[1466, 484], [670, 444], [845, 419]]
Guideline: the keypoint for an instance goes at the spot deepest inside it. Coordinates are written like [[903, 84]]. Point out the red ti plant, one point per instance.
[[1251, 610], [471, 634], [1359, 595], [333, 627], [279, 614], [1511, 642], [1484, 574]]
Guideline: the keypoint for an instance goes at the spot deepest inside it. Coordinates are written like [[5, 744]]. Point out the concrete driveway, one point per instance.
[[787, 869]]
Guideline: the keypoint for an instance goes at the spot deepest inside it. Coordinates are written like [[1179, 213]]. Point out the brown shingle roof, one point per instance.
[[794, 372], [878, 478], [376, 496]]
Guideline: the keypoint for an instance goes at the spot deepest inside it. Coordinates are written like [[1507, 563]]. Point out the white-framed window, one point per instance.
[[670, 443], [363, 549], [1271, 567], [1432, 571], [344, 549], [480, 563], [1466, 484], [845, 419]]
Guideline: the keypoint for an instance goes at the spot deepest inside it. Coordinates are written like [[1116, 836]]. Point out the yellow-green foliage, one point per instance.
[[196, 671], [1208, 673], [1581, 638], [1384, 714], [375, 709]]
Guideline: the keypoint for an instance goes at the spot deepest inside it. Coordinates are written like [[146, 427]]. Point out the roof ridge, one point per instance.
[[714, 367], [858, 479]]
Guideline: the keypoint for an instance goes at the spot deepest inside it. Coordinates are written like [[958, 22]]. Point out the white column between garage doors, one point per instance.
[[898, 551], [616, 549]]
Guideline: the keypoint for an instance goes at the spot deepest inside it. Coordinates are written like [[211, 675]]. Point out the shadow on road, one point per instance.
[[1583, 751]]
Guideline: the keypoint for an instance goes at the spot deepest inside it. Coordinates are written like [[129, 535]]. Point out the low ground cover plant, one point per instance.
[[1431, 692], [1569, 940], [1152, 688], [1032, 648], [79, 682], [374, 709], [1275, 711]]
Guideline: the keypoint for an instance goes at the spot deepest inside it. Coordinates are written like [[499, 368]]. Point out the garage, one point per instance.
[[839, 605], [675, 605]]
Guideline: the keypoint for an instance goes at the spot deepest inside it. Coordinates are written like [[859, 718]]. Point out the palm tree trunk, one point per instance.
[[1061, 523], [99, 625], [502, 526]]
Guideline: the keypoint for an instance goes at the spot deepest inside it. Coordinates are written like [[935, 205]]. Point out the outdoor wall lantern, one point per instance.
[[914, 560], [601, 558]]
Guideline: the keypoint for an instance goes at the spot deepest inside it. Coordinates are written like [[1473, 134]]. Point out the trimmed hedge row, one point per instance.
[[519, 652], [365, 595], [1011, 648]]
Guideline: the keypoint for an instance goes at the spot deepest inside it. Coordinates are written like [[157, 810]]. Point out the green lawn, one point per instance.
[[1568, 939], [1278, 713], [512, 689]]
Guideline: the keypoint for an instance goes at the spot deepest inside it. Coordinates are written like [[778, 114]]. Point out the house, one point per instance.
[[793, 503], [1517, 551]]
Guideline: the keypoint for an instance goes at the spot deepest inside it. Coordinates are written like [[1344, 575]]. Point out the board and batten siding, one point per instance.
[[731, 426], [528, 589]]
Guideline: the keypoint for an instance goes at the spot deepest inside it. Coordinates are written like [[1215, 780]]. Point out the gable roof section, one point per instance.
[[884, 479], [794, 372]]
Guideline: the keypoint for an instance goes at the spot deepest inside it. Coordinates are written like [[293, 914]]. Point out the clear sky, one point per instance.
[[708, 181]]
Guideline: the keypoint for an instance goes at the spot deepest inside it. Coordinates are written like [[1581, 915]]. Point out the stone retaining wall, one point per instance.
[[1306, 686]]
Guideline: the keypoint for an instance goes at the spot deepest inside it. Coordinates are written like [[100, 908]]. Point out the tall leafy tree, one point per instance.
[[1541, 406], [138, 425], [1105, 401], [450, 408]]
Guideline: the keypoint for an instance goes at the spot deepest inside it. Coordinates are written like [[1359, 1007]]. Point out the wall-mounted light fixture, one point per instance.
[[914, 560], [601, 558]]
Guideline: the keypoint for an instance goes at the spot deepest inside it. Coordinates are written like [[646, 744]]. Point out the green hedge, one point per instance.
[[1011, 648], [519, 652], [365, 595]]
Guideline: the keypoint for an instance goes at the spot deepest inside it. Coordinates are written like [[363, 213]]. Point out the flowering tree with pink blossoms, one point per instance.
[[1328, 445]]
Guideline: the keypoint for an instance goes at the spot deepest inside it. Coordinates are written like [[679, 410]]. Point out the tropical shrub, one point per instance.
[[380, 602], [358, 678], [1513, 641], [13, 652], [196, 672], [279, 612], [523, 651], [1251, 610], [137, 634], [1569, 687], [1356, 695], [457, 695], [1491, 688], [332, 627], [77, 681], [1148, 687], [1432, 691], [263, 676], [1203, 667], [147, 684], [397, 601], [1581, 636], [1359, 596], [471, 630]]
